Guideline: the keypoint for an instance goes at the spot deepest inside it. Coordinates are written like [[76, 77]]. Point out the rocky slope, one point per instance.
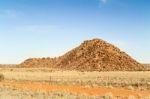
[[91, 55], [38, 62]]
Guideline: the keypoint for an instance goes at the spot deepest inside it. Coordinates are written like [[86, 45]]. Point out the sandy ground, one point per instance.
[[74, 89], [55, 84]]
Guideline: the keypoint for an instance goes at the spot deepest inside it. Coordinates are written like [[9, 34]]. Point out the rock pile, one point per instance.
[[38, 62], [91, 55]]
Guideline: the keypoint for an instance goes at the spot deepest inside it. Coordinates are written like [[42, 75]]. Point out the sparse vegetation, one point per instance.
[[131, 97], [131, 81], [108, 96]]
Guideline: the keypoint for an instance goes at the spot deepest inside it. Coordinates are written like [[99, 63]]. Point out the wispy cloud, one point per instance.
[[103, 1], [8, 13], [36, 29]]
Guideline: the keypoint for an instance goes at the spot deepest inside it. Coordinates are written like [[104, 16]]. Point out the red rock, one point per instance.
[[91, 55]]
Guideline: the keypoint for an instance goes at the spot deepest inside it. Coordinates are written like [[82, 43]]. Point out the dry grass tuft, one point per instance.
[[108, 96], [1, 77], [131, 97], [130, 87], [148, 97]]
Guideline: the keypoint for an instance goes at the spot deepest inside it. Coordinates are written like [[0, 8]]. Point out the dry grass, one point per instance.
[[130, 80], [114, 79], [18, 94], [8, 93]]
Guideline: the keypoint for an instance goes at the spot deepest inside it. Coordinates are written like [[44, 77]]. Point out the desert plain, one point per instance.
[[47, 83]]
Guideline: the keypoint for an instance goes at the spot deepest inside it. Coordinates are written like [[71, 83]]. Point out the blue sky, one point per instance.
[[48, 28]]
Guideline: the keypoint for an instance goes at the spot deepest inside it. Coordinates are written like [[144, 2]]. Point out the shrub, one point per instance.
[[1, 77], [108, 96]]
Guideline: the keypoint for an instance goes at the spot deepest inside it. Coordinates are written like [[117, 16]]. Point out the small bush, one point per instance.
[[108, 96], [1, 77]]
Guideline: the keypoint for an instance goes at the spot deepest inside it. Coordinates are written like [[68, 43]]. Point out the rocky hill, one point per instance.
[[91, 55], [38, 62]]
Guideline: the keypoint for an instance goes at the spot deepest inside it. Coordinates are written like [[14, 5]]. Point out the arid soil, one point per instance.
[[95, 91], [91, 55]]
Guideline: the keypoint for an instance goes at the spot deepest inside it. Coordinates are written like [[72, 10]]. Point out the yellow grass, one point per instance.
[[129, 80], [118, 79]]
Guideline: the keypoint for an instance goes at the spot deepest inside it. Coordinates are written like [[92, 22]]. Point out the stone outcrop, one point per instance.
[[91, 55]]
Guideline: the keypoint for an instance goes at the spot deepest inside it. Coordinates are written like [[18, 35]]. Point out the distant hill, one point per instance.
[[7, 65], [38, 62], [91, 55]]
